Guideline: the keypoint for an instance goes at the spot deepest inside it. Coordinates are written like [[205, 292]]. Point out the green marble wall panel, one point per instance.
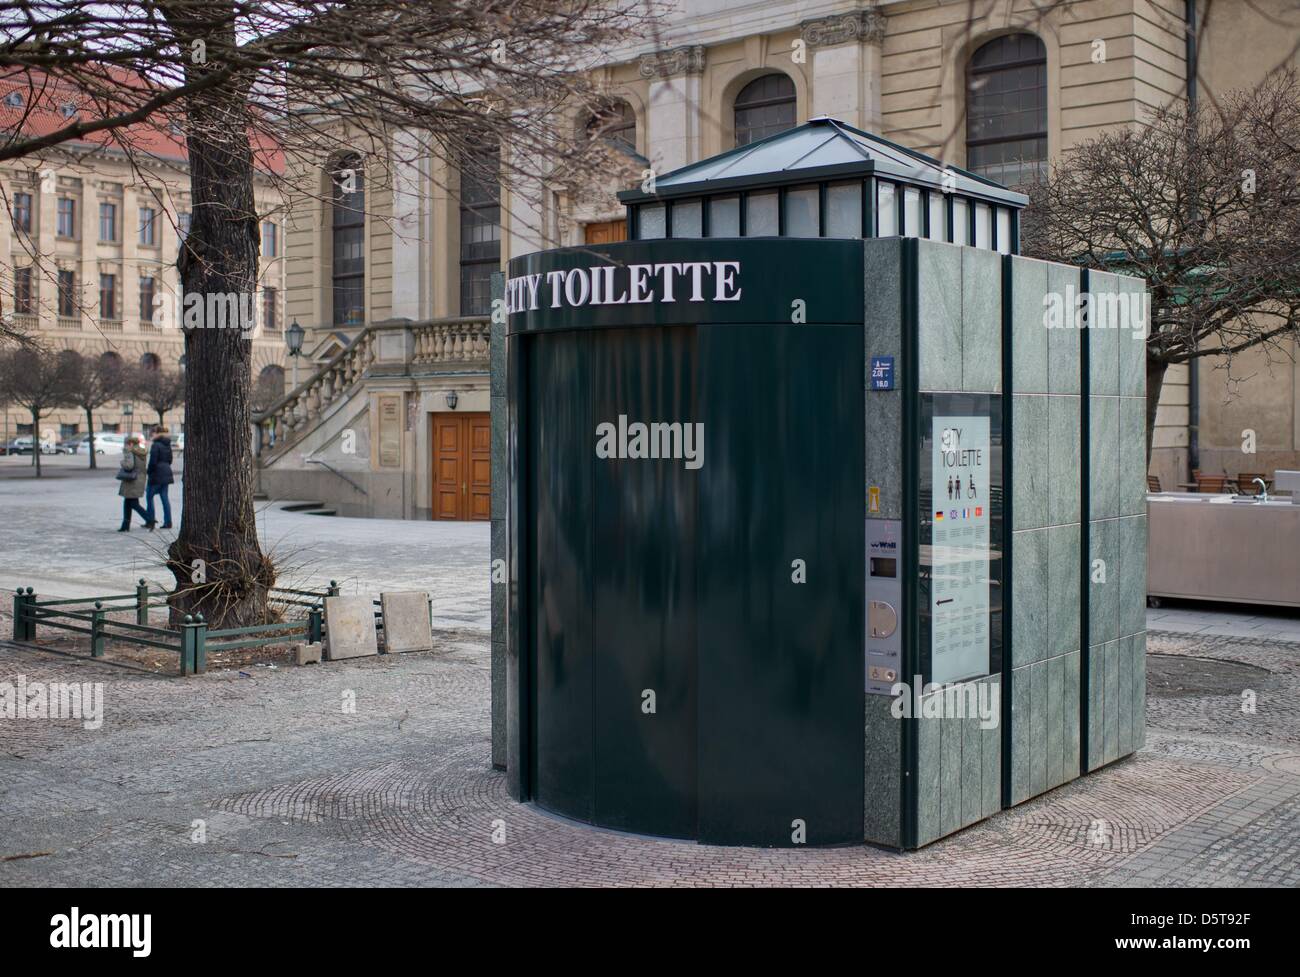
[[959, 761], [1033, 471], [981, 319], [1028, 330], [939, 316]]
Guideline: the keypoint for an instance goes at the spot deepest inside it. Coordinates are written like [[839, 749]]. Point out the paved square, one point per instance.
[[375, 771]]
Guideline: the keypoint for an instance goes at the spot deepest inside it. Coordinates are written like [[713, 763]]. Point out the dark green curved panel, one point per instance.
[[560, 568], [781, 664], [644, 591]]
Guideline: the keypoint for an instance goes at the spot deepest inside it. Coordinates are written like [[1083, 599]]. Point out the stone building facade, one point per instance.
[[997, 87], [89, 264]]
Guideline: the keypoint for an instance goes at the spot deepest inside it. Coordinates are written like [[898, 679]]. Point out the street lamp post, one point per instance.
[[128, 411], [293, 339]]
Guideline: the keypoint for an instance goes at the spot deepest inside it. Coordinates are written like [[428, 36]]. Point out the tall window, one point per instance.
[[108, 222], [23, 212], [349, 234], [148, 226], [147, 291], [270, 299], [108, 296], [183, 222], [24, 297], [1006, 110], [67, 217], [764, 107], [615, 122], [268, 239], [480, 228], [67, 294]]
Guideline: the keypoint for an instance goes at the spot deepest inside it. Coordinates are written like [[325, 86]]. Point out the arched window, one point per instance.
[[1006, 110], [349, 241], [110, 359], [615, 122], [480, 226], [150, 361], [764, 107], [269, 387]]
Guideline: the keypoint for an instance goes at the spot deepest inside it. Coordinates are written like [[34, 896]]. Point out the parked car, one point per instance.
[[56, 448], [109, 443], [19, 446], [75, 443], [178, 441]]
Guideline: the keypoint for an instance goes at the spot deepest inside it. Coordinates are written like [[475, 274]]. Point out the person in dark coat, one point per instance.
[[160, 476], [131, 481]]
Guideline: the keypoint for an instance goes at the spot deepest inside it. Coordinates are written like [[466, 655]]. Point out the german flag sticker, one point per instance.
[[938, 516]]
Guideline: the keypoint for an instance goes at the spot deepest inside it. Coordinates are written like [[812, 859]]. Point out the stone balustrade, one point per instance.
[[397, 347]]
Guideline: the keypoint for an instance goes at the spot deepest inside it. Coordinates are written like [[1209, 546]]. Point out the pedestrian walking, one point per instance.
[[131, 480], [160, 476]]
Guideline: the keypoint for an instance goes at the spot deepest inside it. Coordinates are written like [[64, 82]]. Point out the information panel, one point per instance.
[[959, 591]]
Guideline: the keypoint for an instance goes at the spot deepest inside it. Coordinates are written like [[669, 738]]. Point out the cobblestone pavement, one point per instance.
[[286, 788], [289, 789]]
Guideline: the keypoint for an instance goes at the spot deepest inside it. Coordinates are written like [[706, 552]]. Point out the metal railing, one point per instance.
[[191, 643]]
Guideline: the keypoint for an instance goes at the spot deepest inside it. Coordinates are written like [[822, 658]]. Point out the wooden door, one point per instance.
[[606, 232], [462, 466]]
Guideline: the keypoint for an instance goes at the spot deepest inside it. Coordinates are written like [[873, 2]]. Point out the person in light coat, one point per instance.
[[131, 480]]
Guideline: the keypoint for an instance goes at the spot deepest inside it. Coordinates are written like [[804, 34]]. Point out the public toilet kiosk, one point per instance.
[[822, 517]]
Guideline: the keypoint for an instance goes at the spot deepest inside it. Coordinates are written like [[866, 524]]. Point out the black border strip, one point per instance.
[[1008, 523], [1085, 518], [909, 299]]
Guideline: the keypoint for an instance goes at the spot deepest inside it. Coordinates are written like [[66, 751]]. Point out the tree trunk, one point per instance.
[[219, 566], [36, 441], [1155, 382], [90, 423]]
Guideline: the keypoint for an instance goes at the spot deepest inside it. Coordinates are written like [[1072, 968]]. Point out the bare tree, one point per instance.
[[1203, 205], [163, 390], [37, 381], [91, 383], [249, 83]]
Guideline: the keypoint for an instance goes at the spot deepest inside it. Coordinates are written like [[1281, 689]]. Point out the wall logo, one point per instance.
[[655, 440], [103, 930]]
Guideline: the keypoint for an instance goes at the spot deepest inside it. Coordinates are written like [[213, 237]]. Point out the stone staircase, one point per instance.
[[318, 446], [385, 349]]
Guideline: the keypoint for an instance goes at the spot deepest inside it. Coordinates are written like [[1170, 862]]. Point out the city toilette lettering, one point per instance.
[[665, 281], [658, 439], [74, 931]]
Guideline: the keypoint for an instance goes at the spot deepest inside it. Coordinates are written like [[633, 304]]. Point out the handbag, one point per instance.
[[128, 474]]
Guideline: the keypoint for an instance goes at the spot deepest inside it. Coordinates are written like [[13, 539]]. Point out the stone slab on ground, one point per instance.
[[406, 621], [349, 628]]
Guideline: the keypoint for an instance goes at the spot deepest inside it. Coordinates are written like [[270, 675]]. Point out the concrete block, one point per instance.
[[407, 626], [307, 653], [349, 628]]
